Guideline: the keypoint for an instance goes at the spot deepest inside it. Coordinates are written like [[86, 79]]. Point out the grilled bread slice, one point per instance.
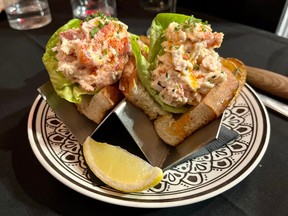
[[96, 107], [174, 128]]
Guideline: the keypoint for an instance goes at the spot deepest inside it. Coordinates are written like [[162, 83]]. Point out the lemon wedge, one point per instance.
[[118, 168]]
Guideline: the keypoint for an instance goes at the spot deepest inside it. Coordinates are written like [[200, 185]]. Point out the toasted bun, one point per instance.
[[136, 93], [174, 129], [97, 106], [239, 71]]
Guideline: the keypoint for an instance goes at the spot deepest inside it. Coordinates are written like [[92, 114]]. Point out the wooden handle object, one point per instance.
[[268, 81]]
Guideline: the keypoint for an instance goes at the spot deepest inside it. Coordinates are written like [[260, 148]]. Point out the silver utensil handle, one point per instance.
[[276, 105]]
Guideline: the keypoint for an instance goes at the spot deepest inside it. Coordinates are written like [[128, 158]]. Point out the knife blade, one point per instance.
[[276, 105]]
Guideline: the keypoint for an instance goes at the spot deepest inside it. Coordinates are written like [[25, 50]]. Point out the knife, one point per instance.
[[271, 83]]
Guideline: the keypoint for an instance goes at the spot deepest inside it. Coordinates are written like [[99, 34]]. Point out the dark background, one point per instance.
[[263, 14]]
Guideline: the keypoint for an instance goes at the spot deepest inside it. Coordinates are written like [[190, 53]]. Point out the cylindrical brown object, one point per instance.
[[268, 81]]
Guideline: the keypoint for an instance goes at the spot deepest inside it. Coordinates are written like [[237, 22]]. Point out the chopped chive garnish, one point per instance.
[[93, 32], [105, 51], [101, 15], [196, 67], [100, 24]]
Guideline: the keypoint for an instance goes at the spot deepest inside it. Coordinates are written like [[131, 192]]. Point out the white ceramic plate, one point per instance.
[[190, 182]]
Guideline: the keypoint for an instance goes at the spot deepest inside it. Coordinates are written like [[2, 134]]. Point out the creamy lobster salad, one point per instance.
[[188, 66], [94, 54]]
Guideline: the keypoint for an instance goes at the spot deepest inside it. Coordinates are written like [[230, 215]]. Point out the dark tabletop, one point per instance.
[[26, 188]]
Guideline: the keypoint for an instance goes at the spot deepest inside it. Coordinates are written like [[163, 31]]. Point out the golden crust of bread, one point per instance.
[[145, 39], [238, 69], [97, 106]]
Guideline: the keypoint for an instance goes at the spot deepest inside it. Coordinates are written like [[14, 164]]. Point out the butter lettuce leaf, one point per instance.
[[62, 85], [158, 26]]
